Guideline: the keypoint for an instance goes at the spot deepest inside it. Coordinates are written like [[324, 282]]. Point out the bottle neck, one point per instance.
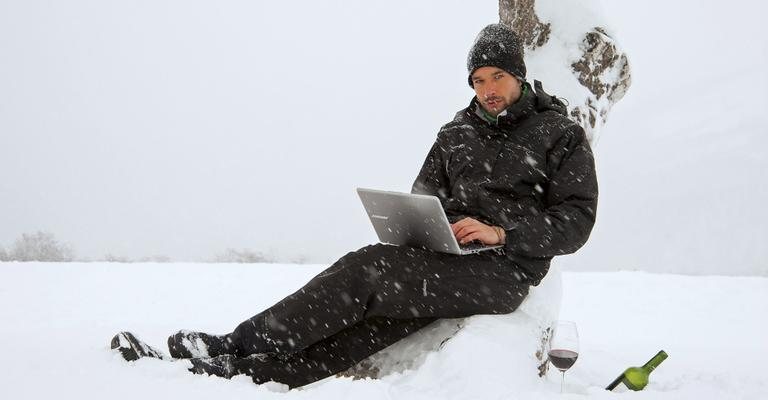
[[655, 361]]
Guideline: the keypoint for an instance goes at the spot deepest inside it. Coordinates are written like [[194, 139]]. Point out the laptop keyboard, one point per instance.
[[472, 246]]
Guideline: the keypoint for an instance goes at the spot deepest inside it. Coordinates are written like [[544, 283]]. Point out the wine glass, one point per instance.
[[564, 347]]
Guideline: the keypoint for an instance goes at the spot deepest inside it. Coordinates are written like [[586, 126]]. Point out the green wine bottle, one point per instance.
[[635, 378]]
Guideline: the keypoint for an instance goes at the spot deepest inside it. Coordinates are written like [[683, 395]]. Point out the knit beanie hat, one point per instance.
[[497, 46]]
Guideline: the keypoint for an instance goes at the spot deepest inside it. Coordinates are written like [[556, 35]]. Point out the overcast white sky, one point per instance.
[[185, 127]]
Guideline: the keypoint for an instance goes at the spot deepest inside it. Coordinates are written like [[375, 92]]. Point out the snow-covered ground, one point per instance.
[[56, 321]]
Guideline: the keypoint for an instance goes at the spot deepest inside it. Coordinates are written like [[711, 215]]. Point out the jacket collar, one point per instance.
[[524, 107]]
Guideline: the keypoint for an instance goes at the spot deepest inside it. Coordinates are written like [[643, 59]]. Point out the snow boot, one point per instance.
[[131, 348], [188, 344]]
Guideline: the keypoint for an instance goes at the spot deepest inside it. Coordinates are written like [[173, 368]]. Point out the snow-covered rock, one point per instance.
[[570, 47]]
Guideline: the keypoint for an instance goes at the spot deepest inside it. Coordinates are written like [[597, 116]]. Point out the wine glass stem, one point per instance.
[[562, 382]]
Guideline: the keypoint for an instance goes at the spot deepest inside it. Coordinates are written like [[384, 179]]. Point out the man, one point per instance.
[[508, 169]]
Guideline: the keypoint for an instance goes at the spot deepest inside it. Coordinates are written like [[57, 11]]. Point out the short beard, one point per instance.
[[494, 111]]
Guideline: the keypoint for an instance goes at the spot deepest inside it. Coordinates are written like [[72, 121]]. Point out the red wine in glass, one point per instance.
[[563, 359]]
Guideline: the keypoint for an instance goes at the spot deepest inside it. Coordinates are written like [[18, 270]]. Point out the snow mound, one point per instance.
[[519, 338]]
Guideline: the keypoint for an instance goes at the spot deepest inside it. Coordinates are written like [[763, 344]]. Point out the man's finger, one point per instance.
[[458, 225], [463, 232], [460, 232], [472, 236], [478, 227], [466, 220]]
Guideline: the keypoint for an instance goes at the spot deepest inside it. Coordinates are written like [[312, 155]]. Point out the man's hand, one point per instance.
[[469, 229]]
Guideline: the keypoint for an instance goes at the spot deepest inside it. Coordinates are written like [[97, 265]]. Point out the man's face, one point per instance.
[[495, 89]]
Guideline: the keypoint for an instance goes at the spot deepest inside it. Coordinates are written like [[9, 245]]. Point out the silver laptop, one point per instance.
[[414, 220]]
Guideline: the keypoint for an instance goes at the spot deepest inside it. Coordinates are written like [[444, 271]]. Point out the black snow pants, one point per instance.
[[369, 299]]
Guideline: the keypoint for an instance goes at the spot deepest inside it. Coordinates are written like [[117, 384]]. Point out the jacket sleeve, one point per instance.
[[433, 178], [566, 221]]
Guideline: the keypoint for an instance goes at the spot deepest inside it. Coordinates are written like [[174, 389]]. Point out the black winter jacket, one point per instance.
[[531, 172]]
